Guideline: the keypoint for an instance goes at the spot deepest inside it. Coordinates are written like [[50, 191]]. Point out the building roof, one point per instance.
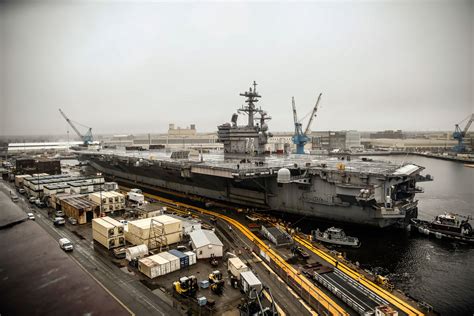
[[80, 202], [204, 237]]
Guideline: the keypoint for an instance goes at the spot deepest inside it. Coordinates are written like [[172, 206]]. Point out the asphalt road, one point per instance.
[[129, 291]]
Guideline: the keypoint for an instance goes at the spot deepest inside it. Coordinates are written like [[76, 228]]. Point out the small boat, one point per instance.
[[336, 236], [446, 226]]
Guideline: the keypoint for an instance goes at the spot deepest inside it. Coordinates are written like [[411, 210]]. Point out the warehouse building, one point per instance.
[[206, 244], [80, 208]]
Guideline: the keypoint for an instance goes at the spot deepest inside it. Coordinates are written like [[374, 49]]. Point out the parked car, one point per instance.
[[21, 191], [59, 213], [123, 221], [58, 221], [14, 197], [32, 199], [66, 244], [40, 203], [72, 220], [31, 216]]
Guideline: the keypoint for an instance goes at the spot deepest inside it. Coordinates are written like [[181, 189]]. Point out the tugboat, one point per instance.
[[336, 236], [447, 225]]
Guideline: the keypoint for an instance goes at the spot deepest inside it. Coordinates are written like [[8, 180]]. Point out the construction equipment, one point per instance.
[[384, 282], [300, 138], [460, 134], [87, 137], [186, 286], [213, 261], [255, 303], [217, 283]]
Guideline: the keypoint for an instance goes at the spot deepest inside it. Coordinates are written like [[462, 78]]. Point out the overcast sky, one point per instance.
[[135, 66]]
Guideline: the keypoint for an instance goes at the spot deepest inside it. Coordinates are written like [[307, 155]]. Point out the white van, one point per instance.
[[65, 244]]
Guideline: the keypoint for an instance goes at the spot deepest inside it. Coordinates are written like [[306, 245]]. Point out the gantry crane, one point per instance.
[[300, 138], [460, 134], [87, 137]]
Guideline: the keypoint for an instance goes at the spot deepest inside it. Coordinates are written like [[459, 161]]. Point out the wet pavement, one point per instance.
[[38, 278]]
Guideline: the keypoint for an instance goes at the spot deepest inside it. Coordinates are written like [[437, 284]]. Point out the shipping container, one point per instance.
[[192, 257], [154, 266], [162, 224], [103, 227], [136, 197], [151, 242], [249, 282], [139, 251], [173, 260], [236, 267], [183, 259], [107, 242], [19, 179], [118, 230]]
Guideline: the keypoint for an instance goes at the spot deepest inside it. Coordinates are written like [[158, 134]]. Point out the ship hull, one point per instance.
[[253, 194]]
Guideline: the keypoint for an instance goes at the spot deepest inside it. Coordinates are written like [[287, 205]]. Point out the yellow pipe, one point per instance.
[[316, 293], [410, 310]]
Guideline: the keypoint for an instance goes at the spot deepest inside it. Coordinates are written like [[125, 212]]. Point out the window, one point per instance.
[[111, 200], [104, 201], [200, 252]]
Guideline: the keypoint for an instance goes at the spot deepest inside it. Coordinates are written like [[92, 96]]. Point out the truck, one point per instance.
[[135, 197], [250, 283], [66, 244], [236, 267]]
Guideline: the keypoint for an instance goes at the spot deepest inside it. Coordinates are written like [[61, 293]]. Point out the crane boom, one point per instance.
[[315, 109], [295, 116], [87, 138], [468, 125]]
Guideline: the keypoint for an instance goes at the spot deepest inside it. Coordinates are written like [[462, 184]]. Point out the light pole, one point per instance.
[[100, 193]]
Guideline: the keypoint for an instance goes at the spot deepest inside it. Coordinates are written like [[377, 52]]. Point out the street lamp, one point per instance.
[[100, 192]]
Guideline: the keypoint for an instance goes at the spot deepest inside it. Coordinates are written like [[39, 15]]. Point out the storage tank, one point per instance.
[[139, 251]]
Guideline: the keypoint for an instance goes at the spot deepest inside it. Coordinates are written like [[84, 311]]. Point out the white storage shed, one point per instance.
[[206, 244]]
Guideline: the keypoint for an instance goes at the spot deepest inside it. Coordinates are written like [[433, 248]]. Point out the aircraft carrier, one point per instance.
[[372, 193]]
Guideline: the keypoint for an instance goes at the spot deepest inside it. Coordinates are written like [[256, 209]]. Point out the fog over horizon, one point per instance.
[[134, 67]]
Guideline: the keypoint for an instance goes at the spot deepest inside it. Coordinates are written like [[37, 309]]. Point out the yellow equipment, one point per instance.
[[216, 281], [384, 282], [215, 276], [186, 285]]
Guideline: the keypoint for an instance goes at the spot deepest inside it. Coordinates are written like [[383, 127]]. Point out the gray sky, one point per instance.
[[134, 67]]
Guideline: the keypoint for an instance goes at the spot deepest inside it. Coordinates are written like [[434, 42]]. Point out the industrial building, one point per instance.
[[36, 184], [29, 165], [80, 208], [206, 244], [342, 140], [109, 201]]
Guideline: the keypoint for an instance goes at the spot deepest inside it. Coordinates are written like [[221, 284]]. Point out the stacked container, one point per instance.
[[192, 257], [183, 259], [173, 260], [108, 232], [166, 230], [154, 266]]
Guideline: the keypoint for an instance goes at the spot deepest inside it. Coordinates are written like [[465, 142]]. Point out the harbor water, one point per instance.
[[438, 272]]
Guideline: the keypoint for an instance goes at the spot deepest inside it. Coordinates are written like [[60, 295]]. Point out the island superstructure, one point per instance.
[[372, 193]]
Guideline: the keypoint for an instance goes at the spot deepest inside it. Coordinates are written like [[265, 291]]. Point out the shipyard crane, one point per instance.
[[460, 134], [300, 138], [87, 137]]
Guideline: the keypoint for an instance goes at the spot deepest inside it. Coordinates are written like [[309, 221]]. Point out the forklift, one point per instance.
[[186, 286], [216, 282]]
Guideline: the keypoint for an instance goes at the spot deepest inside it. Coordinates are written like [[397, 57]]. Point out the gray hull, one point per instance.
[[289, 198]]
